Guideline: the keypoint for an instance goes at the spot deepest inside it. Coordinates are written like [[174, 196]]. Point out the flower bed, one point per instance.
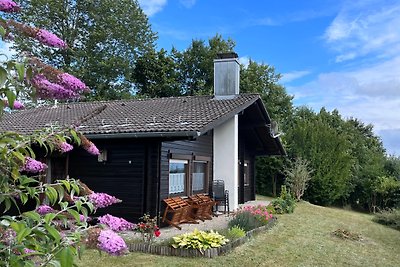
[[209, 253]]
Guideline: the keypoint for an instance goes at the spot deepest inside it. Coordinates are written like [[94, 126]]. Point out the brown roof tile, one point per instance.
[[179, 115]]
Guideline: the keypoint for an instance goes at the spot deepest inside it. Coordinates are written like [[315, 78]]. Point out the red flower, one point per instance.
[[157, 233]]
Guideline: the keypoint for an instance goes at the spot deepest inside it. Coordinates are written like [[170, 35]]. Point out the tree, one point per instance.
[[262, 79], [104, 38], [297, 177], [369, 159], [196, 64], [314, 139], [155, 75]]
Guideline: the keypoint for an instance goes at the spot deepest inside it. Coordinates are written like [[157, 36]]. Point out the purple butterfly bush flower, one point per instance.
[[92, 149], [8, 6], [72, 83], [116, 224], [33, 166], [44, 209], [50, 39], [28, 251], [17, 104], [111, 243], [102, 200], [8, 236], [47, 89], [64, 147]]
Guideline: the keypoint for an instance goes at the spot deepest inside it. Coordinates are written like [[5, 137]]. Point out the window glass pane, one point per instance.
[[177, 176], [199, 176], [246, 173]]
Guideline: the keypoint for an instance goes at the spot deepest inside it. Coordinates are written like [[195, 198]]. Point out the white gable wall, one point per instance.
[[226, 158]]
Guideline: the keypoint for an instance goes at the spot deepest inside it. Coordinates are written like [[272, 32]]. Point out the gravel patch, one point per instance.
[[217, 223]]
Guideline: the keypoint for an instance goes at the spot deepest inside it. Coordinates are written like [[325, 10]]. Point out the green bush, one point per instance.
[[390, 218], [285, 203], [235, 232], [244, 220], [199, 240]]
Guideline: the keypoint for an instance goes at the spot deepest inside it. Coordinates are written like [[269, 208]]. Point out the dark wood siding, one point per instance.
[[130, 174], [202, 146]]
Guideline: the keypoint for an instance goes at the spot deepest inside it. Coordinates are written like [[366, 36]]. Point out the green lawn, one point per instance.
[[299, 239]]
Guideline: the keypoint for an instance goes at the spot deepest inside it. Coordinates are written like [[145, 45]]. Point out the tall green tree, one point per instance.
[[105, 38], [155, 75], [262, 79], [195, 64], [313, 138]]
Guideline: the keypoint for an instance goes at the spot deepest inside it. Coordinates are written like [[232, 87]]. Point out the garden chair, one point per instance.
[[179, 210], [220, 195]]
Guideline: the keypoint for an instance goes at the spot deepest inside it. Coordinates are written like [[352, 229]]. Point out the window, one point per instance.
[[188, 175], [199, 176], [178, 170], [246, 172]]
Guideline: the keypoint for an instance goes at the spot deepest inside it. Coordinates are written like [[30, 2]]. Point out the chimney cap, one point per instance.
[[227, 55]]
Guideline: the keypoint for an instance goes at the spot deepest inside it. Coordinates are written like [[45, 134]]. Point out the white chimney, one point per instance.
[[226, 75]]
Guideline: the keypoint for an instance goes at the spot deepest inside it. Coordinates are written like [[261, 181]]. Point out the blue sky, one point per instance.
[[332, 53]]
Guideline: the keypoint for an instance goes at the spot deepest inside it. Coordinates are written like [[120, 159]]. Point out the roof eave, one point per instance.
[[176, 134]]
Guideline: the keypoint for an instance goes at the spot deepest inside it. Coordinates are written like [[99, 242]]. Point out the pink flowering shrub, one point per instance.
[[17, 104], [50, 39], [8, 6], [89, 146], [44, 209], [102, 200], [64, 147], [116, 224], [49, 90], [72, 83], [33, 166], [111, 243], [260, 212], [92, 149], [251, 217]]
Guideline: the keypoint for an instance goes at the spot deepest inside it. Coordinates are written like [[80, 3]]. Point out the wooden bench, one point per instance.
[[179, 210], [202, 206]]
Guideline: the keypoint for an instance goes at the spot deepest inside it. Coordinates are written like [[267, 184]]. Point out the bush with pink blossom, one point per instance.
[[51, 233]]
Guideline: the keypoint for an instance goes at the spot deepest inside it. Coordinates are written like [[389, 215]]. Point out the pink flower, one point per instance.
[[8, 6], [115, 223], [50, 39], [111, 243], [92, 149], [72, 83], [82, 218], [44, 209], [33, 166], [17, 104], [47, 89], [64, 147], [102, 200]]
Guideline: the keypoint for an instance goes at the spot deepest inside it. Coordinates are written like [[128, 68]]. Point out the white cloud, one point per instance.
[[151, 7], [188, 3], [245, 60], [294, 75], [371, 94], [365, 29]]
